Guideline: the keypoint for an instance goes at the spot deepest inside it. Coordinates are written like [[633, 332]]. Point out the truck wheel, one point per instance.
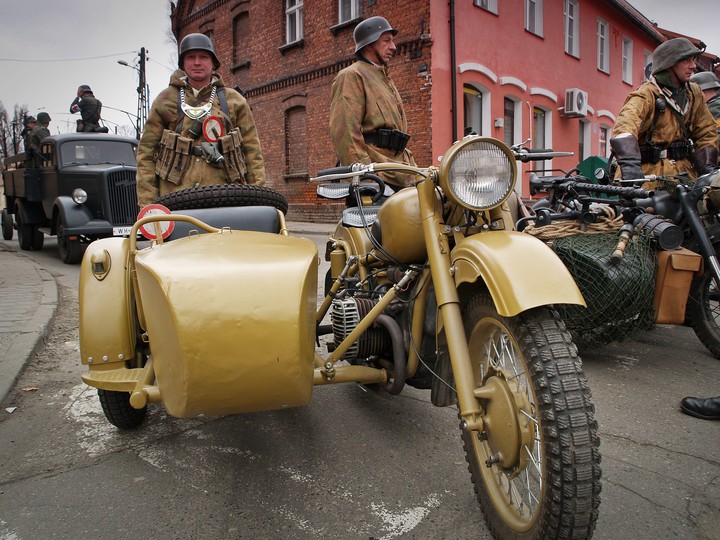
[[70, 250], [7, 225], [25, 233], [223, 195], [118, 411], [38, 238]]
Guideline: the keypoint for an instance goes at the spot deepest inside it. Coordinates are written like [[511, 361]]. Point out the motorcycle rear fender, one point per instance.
[[520, 271], [107, 329]]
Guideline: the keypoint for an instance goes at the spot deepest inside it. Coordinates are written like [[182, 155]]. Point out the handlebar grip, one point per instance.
[[629, 192], [336, 170]]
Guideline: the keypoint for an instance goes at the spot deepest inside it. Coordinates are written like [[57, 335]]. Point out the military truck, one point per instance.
[[84, 190]]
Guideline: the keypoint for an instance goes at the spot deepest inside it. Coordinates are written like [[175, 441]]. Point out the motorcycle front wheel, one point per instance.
[[703, 311], [536, 464]]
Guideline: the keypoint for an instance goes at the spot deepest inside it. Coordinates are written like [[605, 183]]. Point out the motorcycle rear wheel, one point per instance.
[[536, 465], [703, 312]]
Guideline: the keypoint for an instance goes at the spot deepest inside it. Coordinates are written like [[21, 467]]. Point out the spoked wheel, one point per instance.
[[70, 250], [536, 464], [118, 411], [703, 311], [7, 225]]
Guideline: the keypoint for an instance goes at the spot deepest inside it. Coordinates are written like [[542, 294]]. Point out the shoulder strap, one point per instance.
[[180, 113], [222, 98]]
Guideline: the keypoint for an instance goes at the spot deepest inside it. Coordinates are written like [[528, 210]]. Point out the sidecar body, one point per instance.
[[214, 323]]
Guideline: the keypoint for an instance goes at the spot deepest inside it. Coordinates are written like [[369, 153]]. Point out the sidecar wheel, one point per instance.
[[118, 411], [536, 465], [224, 195], [703, 312]]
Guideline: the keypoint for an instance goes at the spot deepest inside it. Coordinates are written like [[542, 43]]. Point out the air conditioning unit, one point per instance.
[[576, 102]]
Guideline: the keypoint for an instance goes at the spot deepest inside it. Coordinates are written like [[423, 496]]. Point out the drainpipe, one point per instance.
[[453, 76]]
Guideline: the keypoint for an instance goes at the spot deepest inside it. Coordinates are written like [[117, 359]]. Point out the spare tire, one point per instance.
[[223, 195]]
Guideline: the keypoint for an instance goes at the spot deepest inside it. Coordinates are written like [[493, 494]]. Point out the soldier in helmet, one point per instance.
[[710, 87], [89, 108], [367, 119], [28, 125], [665, 127], [198, 132], [38, 133]]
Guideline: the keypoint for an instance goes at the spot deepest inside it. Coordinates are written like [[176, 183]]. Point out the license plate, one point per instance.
[[121, 231]]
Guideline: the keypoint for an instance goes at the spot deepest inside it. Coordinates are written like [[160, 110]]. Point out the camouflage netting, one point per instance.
[[619, 297]]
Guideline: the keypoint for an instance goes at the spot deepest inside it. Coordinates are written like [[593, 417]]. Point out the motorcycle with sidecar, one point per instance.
[[432, 288]]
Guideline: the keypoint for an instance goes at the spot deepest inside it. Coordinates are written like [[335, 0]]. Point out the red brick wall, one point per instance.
[[275, 79]]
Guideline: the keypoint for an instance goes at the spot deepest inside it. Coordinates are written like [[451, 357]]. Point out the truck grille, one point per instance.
[[123, 197]]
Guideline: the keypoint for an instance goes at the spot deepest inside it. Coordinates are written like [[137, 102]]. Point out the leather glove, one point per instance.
[[627, 152], [705, 160]]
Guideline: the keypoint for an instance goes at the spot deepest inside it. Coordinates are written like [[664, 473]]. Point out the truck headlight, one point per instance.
[[478, 173], [79, 196]]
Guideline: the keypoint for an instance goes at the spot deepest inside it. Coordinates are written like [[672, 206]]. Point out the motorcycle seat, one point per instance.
[[240, 218]]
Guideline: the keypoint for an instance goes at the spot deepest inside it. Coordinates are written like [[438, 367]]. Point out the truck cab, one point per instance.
[[83, 190]]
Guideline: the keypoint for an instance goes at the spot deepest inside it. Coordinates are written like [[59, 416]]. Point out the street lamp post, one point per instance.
[[142, 91]]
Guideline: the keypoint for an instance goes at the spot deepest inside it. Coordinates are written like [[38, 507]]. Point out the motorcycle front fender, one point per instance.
[[520, 271]]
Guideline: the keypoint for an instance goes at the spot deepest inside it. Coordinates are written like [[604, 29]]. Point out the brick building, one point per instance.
[[554, 71]]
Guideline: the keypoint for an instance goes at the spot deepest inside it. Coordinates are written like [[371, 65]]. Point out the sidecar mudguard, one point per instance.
[[520, 271], [107, 328], [230, 319]]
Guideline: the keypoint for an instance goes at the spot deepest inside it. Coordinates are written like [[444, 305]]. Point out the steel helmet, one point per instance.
[[43, 118], [671, 52], [30, 120], [370, 30], [85, 88], [194, 42], [706, 80]]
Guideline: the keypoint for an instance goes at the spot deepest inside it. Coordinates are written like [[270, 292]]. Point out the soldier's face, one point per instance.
[[199, 67], [383, 49], [684, 69]]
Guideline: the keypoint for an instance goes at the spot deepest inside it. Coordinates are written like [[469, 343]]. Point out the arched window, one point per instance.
[[296, 145]]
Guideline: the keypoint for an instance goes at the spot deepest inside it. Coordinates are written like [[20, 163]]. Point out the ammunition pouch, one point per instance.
[[172, 156], [392, 139], [230, 146], [652, 153]]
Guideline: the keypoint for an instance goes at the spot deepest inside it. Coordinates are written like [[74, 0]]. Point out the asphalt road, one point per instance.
[[353, 464]]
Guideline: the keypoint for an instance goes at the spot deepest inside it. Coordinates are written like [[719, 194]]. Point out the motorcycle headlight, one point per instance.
[[478, 173], [79, 196]]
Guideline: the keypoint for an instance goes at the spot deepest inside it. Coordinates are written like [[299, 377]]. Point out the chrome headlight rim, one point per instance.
[[447, 182], [79, 196]]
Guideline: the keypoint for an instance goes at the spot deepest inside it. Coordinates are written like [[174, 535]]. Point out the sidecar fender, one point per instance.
[[520, 271]]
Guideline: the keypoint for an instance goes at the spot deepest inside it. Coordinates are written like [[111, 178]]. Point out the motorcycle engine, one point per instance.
[[345, 315]]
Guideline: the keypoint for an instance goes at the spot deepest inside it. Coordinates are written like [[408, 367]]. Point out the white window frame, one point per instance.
[[604, 128], [547, 131], [586, 135], [293, 21], [572, 27], [354, 6], [487, 5], [485, 111], [627, 60], [603, 44], [647, 60], [534, 17]]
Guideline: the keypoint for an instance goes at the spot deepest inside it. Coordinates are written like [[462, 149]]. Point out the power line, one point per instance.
[[68, 59]]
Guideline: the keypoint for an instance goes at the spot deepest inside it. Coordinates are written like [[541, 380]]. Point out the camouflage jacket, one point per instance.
[[164, 115], [37, 134], [636, 118], [364, 99]]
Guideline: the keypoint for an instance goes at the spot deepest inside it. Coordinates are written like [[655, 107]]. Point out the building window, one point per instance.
[[348, 10], [509, 122], [627, 60], [534, 16], [293, 20], [473, 105], [541, 134], [584, 150], [488, 5], [604, 140], [296, 143], [572, 27], [240, 33], [603, 63]]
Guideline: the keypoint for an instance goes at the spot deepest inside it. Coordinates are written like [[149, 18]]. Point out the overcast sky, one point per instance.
[[50, 47]]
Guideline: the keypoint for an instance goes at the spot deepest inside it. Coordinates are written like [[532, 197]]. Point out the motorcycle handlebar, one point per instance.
[[625, 192], [336, 170], [538, 154]]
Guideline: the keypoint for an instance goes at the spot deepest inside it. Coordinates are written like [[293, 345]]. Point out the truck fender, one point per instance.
[[70, 213], [520, 271]]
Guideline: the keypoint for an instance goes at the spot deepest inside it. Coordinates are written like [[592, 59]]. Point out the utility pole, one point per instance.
[[142, 90]]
